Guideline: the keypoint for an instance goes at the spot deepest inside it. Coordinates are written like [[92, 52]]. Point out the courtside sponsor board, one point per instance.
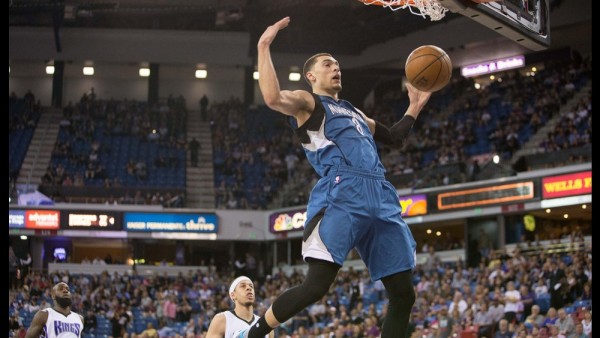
[[166, 222], [567, 185]]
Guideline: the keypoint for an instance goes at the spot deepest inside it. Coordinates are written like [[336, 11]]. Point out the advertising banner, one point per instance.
[[171, 222], [34, 219], [567, 185], [413, 205], [285, 221]]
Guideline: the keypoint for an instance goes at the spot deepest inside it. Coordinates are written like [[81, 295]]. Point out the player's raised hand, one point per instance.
[[271, 32], [417, 97]]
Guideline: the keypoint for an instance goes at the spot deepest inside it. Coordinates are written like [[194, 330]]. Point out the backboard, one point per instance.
[[523, 21]]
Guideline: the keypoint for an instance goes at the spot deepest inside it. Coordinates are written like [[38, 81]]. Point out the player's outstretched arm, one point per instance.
[[37, 325], [286, 102]]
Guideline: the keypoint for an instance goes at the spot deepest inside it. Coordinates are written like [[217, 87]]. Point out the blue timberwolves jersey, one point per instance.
[[352, 205], [337, 134]]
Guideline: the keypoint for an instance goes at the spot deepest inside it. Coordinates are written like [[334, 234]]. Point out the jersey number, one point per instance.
[[358, 126]]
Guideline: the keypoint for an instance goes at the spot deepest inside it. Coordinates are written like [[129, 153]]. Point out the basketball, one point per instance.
[[428, 68]]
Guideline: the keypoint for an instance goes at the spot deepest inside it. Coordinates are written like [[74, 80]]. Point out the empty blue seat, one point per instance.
[[543, 301]]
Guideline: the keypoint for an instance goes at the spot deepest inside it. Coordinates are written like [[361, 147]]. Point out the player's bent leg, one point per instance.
[[401, 299], [319, 278]]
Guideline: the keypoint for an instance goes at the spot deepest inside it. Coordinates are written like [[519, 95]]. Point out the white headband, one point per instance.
[[237, 281]]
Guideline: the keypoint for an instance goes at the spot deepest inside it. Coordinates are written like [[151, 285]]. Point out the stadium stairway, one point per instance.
[[200, 179], [40, 149], [531, 147]]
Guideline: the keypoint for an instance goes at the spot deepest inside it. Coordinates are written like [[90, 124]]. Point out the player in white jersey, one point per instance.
[[58, 321], [225, 324]]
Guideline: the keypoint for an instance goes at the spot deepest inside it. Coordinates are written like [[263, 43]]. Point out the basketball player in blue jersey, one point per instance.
[[225, 324], [58, 321], [352, 205]]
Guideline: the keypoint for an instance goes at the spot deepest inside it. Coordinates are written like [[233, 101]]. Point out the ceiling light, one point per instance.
[[88, 70], [201, 73], [294, 76], [144, 71]]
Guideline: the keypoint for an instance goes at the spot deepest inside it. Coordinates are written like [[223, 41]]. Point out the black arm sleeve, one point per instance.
[[400, 130], [382, 134], [396, 134]]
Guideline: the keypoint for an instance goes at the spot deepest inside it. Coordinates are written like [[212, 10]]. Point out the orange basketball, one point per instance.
[[428, 68]]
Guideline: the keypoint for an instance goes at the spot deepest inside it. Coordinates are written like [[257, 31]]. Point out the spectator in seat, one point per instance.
[[503, 331], [149, 332], [90, 322], [565, 323]]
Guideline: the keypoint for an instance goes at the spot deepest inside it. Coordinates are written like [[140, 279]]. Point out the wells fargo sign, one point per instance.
[[567, 185]]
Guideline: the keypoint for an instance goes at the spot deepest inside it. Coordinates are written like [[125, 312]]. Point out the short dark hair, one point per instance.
[[310, 63]]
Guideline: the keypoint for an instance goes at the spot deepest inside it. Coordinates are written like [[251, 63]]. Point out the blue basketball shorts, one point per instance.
[[352, 208]]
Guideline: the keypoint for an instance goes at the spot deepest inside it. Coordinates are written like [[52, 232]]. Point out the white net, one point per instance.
[[424, 8]]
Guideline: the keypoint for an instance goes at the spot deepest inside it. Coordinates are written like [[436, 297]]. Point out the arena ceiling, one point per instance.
[[338, 26], [345, 26]]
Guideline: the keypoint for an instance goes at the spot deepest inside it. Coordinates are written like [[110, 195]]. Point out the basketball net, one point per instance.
[[424, 8]]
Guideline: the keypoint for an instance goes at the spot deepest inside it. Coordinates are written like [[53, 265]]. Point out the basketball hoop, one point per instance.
[[424, 8]]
